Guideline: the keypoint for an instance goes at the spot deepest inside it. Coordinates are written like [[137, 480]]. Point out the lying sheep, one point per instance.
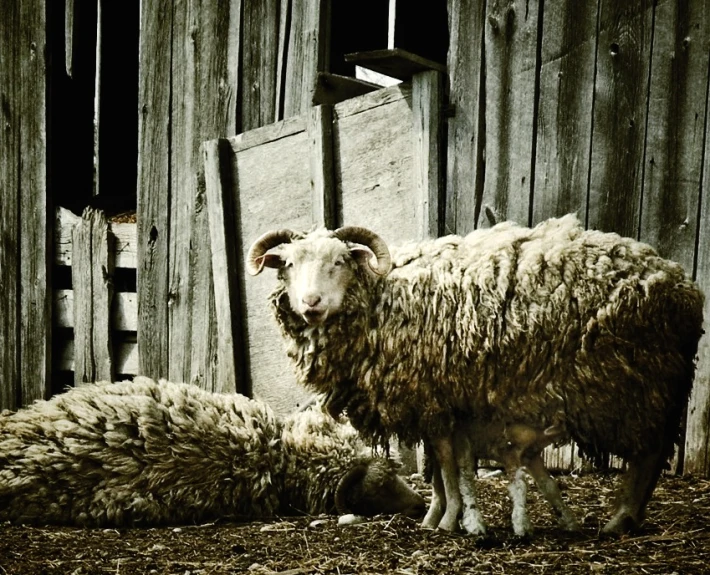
[[550, 326], [146, 452]]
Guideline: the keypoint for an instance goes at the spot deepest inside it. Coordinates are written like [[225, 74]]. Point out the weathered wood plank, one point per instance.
[[125, 357], [92, 277], [69, 37], [511, 37], [307, 54], [564, 125], [35, 241], [374, 162], [465, 168], [320, 134], [674, 140], [266, 134], [154, 187], [10, 114], [232, 365], [124, 240], [260, 52], [427, 133], [620, 115], [697, 432], [266, 199], [124, 310]]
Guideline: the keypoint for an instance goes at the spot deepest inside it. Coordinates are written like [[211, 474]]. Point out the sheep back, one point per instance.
[[558, 325], [139, 452]]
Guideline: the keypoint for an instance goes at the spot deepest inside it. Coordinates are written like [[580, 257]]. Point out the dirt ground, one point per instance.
[[674, 540]]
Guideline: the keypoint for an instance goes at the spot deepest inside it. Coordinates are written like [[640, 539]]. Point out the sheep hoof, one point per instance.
[[449, 523], [620, 524], [571, 525], [473, 524]]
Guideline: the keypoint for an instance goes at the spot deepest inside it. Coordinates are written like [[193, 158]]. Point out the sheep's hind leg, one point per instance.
[[444, 452], [438, 499], [551, 491], [472, 519], [638, 485]]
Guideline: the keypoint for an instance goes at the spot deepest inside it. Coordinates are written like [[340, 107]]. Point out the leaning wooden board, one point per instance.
[[375, 157]]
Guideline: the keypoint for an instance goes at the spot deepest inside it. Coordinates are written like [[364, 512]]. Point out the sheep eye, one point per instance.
[[338, 263]]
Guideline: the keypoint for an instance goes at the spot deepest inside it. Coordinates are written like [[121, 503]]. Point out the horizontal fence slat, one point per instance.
[[125, 357], [124, 312]]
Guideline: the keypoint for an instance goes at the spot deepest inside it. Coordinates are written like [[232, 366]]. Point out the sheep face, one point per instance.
[[372, 487], [317, 268]]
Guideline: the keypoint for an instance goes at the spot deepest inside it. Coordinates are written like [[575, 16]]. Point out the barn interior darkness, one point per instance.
[[93, 141]]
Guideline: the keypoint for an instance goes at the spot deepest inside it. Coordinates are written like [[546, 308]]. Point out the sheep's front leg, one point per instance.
[[518, 489], [472, 519], [444, 453], [551, 491], [438, 498]]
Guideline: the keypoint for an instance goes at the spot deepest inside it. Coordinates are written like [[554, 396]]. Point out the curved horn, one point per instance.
[[353, 476], [370, 239], [264, 244]]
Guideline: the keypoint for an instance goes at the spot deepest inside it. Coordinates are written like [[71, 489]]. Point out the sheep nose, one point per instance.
[[311, 300]]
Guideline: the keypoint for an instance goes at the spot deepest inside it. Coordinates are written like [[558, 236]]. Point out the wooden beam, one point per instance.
[[320, 135], [396, 63], [332, 88]]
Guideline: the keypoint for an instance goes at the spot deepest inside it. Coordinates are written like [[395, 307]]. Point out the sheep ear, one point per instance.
[[267, 261], [347, 487], [364, 257], [554, 431]]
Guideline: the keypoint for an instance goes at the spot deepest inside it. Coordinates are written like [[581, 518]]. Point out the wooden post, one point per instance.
[[92, 280], [232, 367], [466, 127], [427, 104], [320, 136]]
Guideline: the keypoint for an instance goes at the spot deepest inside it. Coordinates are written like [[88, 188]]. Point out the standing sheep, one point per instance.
[[146, 452], [551, 326]]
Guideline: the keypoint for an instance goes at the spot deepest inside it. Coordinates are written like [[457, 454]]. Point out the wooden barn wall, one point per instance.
[[206, 71], [598, 108], [24, 231]]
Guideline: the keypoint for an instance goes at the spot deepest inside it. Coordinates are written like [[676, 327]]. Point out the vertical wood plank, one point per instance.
[[260, 52], [10, 115], [205, 44], [620, 115], [511, 65], [320, 136], [564, 124], [307, 54], [427, 104], [35, 241], [674, 140], [697, 431], [154, 187], [232, 365], [466, 128], [92, 282]]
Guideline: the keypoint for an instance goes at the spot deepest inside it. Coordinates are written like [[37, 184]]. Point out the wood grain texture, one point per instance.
[[154, 187], [260, 52], [374, 163], [620, 107], [566, 98], [232, 365], [271, 186], [92, 281], [320, 135], [123, 314], [511, 36], [674, 138], [697, 433], [427, 135], [10, 114], [465, 169], [35, 238]]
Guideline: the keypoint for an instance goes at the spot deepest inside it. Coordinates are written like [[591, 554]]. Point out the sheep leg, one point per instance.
[[518, 490], [472, 519], [444, 452], [638, 485], [551, 491], [438, 498]]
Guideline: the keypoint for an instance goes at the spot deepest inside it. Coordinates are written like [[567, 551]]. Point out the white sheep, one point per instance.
[[589, 332], [147, 452]]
